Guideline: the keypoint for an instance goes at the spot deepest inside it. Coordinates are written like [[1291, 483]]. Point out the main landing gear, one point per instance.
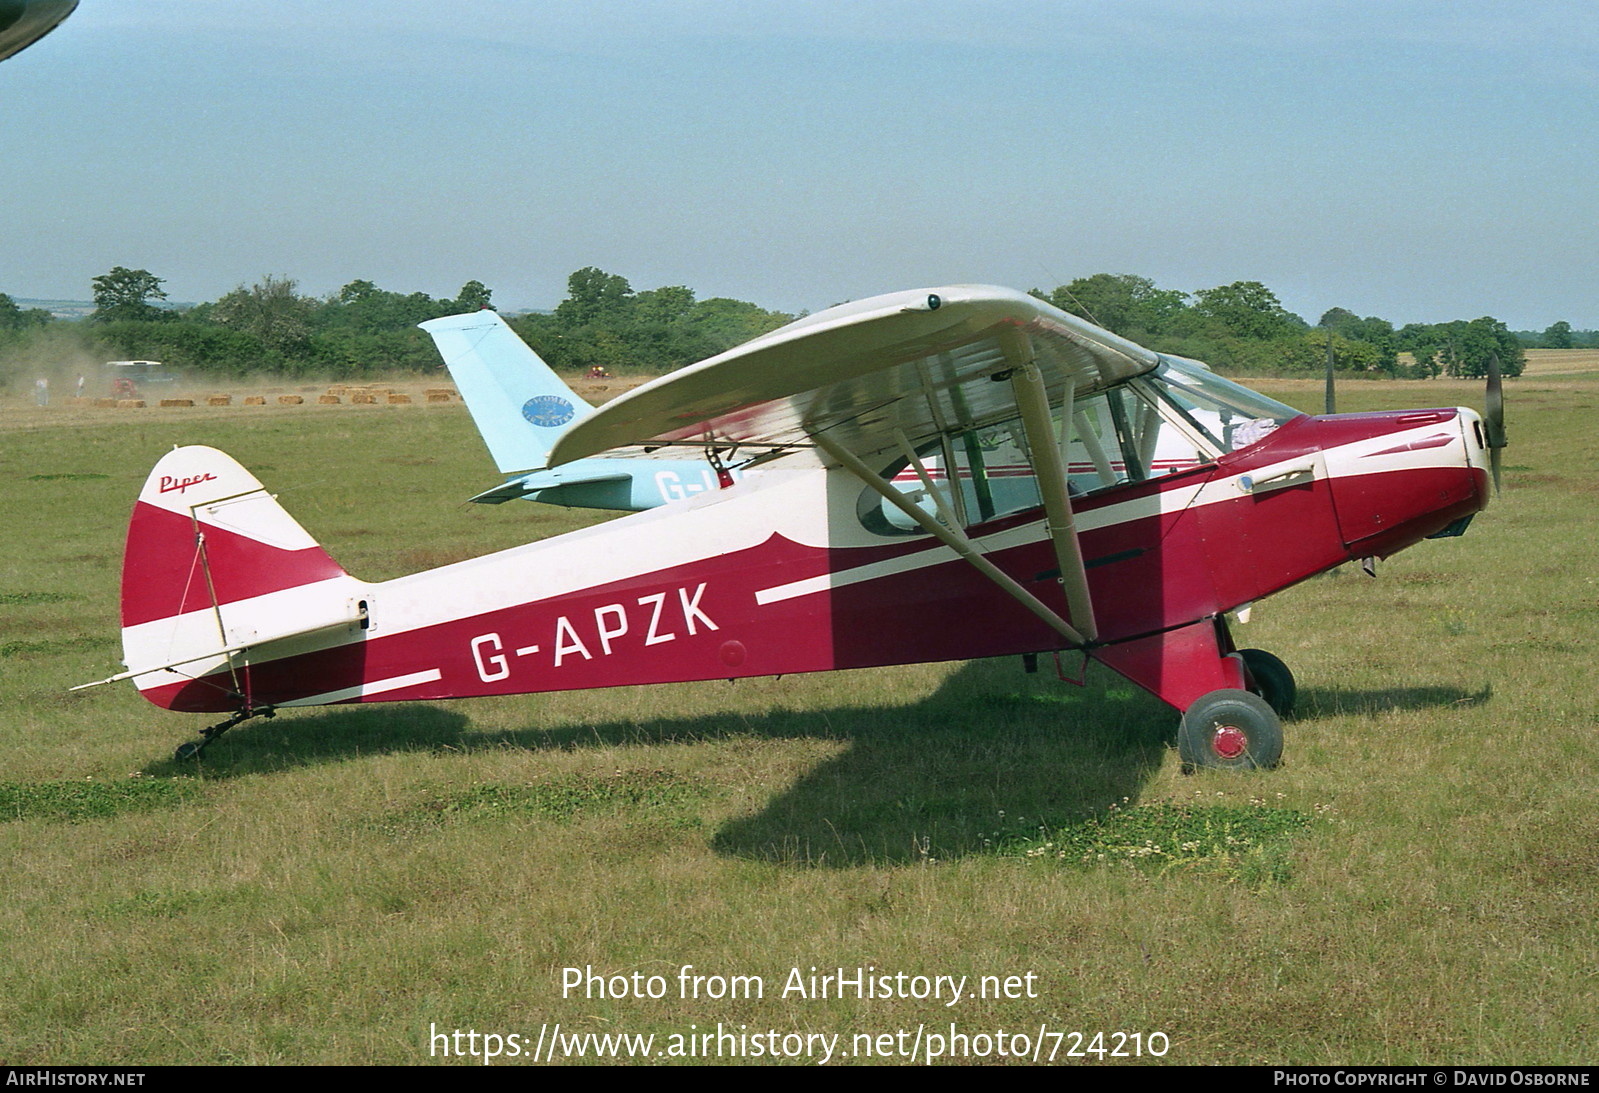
[[1233, 701], [191, 749], [1230, 730], [1233, 729]]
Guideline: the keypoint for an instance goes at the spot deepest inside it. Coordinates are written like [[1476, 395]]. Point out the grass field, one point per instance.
[[1417, 884], [1561, 362]]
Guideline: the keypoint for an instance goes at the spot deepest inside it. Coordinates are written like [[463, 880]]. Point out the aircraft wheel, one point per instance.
[[189, 749], [1230, 730], [1273, 681]]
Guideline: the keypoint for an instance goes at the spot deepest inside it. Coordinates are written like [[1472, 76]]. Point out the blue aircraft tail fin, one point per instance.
[[517, 401]]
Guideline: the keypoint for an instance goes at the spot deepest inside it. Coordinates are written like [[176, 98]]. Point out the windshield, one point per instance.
[[1231, 415]]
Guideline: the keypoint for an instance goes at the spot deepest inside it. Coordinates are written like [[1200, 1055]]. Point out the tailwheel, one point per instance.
[[191, 749], [1270, 678], [1230, 730]]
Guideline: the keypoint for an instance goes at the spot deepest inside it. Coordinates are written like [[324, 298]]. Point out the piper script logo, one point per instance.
[[168, 483]]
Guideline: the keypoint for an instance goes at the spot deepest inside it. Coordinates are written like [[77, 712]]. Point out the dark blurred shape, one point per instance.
[[24, 22]]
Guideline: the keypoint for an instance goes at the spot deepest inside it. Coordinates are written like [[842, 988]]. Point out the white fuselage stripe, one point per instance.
[[376, 687]]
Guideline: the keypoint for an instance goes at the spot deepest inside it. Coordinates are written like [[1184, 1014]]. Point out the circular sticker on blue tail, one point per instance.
[[547, 410]]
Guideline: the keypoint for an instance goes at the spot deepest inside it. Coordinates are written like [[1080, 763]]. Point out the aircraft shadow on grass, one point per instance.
[[990, 755]]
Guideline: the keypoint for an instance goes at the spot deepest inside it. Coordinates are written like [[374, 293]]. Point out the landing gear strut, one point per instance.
[[191, 749]]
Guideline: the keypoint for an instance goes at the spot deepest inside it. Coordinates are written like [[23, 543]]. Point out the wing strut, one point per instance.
[[1050, 469], [950, 537]]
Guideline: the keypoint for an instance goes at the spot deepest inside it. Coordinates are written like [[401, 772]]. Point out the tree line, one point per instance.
[[1243, 328], [363, 330], [602, 322]]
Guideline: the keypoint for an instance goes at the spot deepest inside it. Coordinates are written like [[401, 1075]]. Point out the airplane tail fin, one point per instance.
[[517, 401], [216, 576]]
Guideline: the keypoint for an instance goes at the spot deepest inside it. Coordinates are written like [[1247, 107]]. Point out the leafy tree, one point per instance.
[[1308, 353], [668, 304], [356, 291], [1371, 331], [127, 294], [1462, 348], [603, 322], [13, 317], [474, 296], [187, 345], [272, 312], [363, 307], [1558, 336], [724, 322], [1246, 309], [594, 296], [1120, 302]]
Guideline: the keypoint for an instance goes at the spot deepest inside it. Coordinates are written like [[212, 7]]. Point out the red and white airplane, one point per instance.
[[933, 475]]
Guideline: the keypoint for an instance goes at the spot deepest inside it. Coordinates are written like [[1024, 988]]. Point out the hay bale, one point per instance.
[[219, 400], [177, 402], [255, 400], [338, 389], [438, 396], [364, 397], [399, 400], [130, 404], [106, 403], [290, 400], [328, 400]]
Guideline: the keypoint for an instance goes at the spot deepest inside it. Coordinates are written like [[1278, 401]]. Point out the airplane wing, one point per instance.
[[888, 373], [864, 374], [24, 22]]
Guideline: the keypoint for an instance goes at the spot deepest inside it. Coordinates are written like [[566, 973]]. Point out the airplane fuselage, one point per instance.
[[779, 574]]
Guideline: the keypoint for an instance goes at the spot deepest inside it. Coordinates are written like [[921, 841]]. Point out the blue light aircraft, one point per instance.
[[520, 406]]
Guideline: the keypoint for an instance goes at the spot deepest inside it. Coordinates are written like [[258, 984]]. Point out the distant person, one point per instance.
[[41, 391], [598, 372], [80, 386]]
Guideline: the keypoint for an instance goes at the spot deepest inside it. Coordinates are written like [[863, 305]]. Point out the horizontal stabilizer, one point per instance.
[[543, 482], [350, 613]]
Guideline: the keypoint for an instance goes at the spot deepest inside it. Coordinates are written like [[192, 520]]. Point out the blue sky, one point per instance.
[[1417, 161]]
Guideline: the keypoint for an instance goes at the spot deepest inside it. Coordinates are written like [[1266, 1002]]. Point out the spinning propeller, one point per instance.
[[1493, 416]]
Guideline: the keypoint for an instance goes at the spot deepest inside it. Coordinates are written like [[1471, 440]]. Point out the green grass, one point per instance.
[[1249, 844], [1417, 884], [88, 800]]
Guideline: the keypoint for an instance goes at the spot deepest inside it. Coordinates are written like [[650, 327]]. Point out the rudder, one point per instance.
[[516, 400]]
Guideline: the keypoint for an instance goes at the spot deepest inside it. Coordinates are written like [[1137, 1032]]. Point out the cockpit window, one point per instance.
[[1231, 416], [1179, 417], [993, 477]]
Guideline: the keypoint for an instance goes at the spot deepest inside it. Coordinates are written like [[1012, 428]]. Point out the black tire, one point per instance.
[[189, 750], [1272, 680], [1230, 730]]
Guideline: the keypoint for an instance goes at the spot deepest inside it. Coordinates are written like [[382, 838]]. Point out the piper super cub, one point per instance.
[[941, 474]]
